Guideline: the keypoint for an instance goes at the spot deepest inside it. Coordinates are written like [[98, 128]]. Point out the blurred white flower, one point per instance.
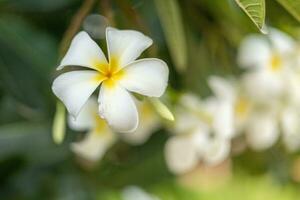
[[234, 101], [117, 77], [291, 127], [149, 123], [268, 61], [99, 138], [262, 129], [200, 134], [137, 193]]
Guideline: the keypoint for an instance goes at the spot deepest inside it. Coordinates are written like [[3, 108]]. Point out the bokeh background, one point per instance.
[[34, 34]]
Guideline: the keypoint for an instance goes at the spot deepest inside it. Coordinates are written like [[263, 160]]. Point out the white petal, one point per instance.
[[118, 108], [136, 193], [94, 145], [86, 118], [74, 89], [291, 128], [217, 151], [180, 154], [125, 45], [222, 87], [83, 52], [254, 51], [146, 76], [263, 86], [262, 131], [282, 42], [223, 120], [185, 121]]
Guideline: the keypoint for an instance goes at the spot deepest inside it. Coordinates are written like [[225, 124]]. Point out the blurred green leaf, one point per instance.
[[255, 9], [292, 6], [171, 21], [27, 59], [36, 6], [31, 140]]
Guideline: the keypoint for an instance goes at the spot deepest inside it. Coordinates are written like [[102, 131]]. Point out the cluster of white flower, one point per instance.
[[262, 103], [260, 106]]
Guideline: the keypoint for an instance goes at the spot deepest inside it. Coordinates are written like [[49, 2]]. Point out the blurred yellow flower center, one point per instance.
[[276, 63], [241, 107], [110, 72], [101, 126]]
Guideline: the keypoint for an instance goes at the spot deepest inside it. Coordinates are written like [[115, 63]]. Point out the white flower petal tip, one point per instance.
[[117, 107], [127, 44], [147, 76], [83, 52], [74, 88], [181, 155]]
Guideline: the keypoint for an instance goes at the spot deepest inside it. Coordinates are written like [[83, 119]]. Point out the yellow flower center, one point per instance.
[[109, 73], [241, 107], [275, 63], [101, 126]]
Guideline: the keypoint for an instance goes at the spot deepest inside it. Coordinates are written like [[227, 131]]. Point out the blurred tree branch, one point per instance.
[[75, 25]]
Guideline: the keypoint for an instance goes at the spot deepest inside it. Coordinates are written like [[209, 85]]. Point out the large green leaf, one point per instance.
[[171, 21], [255, 9], [292, 6]]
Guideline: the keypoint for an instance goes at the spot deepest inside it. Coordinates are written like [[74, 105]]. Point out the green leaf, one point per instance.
[[171, 21], [292, 6], [256, 10]]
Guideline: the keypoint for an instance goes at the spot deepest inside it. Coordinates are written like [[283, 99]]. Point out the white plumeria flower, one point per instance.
[[268, 61], [99, 137], [137, 193], [183, 152], [197, 135], [118, 76], [149, 123]]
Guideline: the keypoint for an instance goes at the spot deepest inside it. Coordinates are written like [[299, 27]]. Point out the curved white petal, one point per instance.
[[83, 52], [94, 145], [86, 118], [125, 45], [74, 88], [254, 52], [146, 76], [262, 131], [180, 154], [281, 41], [117, 107], [263, 86], [217, 151]]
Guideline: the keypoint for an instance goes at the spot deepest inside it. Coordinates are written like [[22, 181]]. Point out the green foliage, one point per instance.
[[255, 9], [172, 24], [292, 6]]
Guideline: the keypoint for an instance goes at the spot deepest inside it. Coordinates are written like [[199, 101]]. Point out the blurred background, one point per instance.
[[197, 38]]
